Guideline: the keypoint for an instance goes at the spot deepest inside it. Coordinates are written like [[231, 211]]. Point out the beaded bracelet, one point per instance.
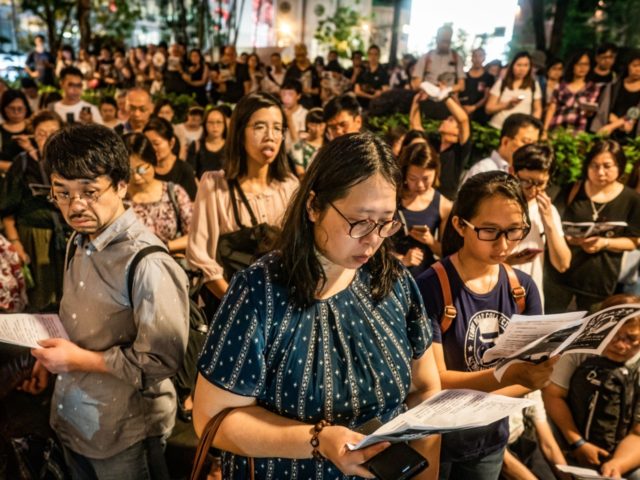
[[315, 441], [577, 444]]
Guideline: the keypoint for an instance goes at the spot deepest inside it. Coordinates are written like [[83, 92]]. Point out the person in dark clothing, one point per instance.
[[305, 72], [207, 154], [169, 168], [373, 81], [477, 84], [231, 77]]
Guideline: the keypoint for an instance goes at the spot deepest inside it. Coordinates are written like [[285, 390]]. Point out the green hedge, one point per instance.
[[570, 149]]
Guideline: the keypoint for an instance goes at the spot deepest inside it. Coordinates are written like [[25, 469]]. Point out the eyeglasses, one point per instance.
[[491, 234], [605, 166], [261, 129], [527, 183], [631, 340], [65, 198], [140, 170], [362, 228]]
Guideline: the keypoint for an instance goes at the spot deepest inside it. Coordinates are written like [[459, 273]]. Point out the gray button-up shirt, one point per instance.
[[101, 414]]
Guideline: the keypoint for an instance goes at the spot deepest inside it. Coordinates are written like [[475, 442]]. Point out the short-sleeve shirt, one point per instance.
[[234, 81], [596, 274], [371, 81], [507, 94], [345, 359], [480, 319], [568, 106], [435, 67], [452, 163]]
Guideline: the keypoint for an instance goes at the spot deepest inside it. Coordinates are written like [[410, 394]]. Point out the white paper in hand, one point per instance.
[[26, 329], [583, 473], [435, 93]]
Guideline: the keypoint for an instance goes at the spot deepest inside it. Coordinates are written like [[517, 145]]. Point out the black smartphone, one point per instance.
[[397, 462], [70, 118]]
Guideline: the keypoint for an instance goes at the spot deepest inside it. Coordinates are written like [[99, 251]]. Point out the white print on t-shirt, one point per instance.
[[482, 333]]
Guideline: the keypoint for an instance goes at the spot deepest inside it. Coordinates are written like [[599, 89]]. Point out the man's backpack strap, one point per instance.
[[71, 249], [449, 312], [517, 291], [134, 263]]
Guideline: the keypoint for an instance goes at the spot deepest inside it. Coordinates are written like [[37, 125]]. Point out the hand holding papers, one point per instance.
[[435, 93], [556, 334], [593, 229], [447, 411], [583, 473], [26, 329]]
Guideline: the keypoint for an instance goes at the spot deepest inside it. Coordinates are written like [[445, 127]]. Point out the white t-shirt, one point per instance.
[[568, 363], [524, 106], [64, 110], [186, 138], [536, 413], [536, 239], [298, 117], [491, 163]]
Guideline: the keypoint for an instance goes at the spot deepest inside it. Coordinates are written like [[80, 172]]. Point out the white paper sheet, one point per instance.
[[447, 411], [580, 473], [26, 329]]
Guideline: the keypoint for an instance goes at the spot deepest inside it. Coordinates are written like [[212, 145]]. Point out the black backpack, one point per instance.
[[604, 397]]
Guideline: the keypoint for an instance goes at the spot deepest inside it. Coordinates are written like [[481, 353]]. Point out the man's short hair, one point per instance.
[[516, 121], [195, 111], [292, 84], [87, 151], [606, 47], [109, 100], [345, 102], [315, 115], [70, 71], [535, 156]]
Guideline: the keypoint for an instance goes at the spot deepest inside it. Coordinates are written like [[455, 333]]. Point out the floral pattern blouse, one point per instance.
[[13, 292], [161, 216]]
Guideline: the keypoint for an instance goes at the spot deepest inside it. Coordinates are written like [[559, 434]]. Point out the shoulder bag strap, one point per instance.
[[57, 225], [234, 202], [574, 192], [254, 221], [449, 312], [71, 249], [518, 292], [134, 264], [206, 441], [171, 190]]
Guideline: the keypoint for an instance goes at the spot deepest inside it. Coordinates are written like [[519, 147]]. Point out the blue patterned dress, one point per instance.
[[345, 359]]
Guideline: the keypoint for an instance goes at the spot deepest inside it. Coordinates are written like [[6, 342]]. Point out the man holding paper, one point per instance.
[[113, 402]]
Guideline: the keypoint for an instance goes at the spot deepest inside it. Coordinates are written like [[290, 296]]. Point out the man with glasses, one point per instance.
[[518, 129], [343, 115], [605, 58], [139, 104], [113, 404], [532, 165], [72, 108]]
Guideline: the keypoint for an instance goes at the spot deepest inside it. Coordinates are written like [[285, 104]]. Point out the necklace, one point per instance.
[[493, 280], [596, 211]]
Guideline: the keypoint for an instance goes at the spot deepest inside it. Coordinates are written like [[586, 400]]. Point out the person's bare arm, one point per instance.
[[415, 117], [462, 119], [548, 444], [514, 469], [625, 457]]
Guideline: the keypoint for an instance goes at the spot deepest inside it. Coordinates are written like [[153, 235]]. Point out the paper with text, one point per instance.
[[26, 329]]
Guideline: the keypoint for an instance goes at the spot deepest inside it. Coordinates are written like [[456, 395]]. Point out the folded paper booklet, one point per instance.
[[538, 337], [593, 229], [444, 412], [26, 329], [580, 473]]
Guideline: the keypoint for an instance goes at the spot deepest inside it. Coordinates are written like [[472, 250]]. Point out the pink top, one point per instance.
[[213, 216]]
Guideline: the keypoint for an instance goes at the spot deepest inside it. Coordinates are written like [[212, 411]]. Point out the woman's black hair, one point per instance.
[[221, 111], [139, 145], [527, 81], [87, 151], [551, 61], [411, 135], [235, 152], [575, 58], [161, 126], [45, 116], [538, 157], [109, 100], [605, 146], [394, 134], [199, 52], [631, 56], [339, 166], [9, 96], [421, 155], [315, 115], [471, 195]]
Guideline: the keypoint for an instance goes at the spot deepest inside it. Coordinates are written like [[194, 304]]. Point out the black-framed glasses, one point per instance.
[[527, 184], [491, 234], [362, 228]]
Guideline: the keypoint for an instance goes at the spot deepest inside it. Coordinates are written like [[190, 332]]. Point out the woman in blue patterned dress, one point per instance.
[[329, 327]]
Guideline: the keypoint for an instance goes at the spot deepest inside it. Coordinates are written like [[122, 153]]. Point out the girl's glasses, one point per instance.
[[363, 228], [491, 234]]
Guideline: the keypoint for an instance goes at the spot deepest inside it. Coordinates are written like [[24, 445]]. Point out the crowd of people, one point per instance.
[[343, 275]]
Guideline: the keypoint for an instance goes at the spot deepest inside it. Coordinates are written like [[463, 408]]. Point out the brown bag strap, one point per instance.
[[517, 291], [208, 435], [449, 312]]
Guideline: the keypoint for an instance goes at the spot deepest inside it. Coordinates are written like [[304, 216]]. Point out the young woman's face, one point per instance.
[[108, 112], [43, 131], [215, 124], [521, 68], [194, 58], [419, 180], [316, 130], [141, 172], [477, 58], [263, 135], [252, 61], [603, 170], [582, 67], [167, 113], [497, 212], [16, 111], [555, 72], [634, 70], [161, 145], [374, 199]]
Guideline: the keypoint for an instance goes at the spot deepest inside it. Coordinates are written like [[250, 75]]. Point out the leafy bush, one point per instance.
[[570, 148]]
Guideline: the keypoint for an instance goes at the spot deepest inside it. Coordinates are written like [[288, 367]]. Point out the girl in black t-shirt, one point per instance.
[[207, 154], [595, 260], [488, 220]]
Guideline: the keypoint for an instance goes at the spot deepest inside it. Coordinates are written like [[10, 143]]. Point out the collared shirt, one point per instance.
[[489, 164], [569, 106], [143, 342]]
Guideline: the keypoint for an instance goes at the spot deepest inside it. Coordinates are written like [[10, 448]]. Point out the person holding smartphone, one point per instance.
[[72, 109], [532, 164]]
